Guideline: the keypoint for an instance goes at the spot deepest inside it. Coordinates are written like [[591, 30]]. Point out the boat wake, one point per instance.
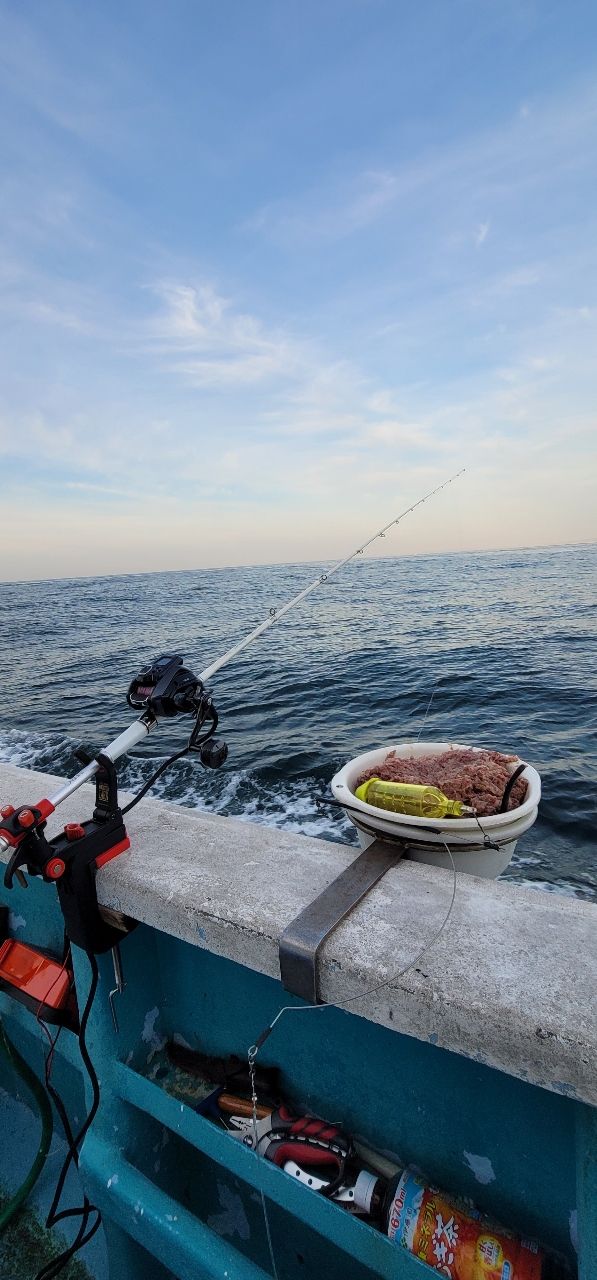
[[260, 795]]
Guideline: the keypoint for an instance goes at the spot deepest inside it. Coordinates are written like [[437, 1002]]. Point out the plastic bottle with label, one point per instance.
[[449, 1234]]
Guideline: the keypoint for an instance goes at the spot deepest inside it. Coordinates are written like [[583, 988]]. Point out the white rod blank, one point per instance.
[[276, 614], [119, 746]]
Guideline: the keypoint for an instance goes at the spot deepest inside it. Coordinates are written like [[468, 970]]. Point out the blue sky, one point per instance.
[[271, 270]]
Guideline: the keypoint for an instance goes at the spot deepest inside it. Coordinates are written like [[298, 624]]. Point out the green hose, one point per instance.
[[45, 1110]]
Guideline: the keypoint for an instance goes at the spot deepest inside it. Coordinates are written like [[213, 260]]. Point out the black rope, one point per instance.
[[154, 777], [194, 743], [55, 1215], [510, 783]]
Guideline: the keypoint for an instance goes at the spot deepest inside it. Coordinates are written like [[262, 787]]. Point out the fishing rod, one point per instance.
[[71, 859], [164, 689]]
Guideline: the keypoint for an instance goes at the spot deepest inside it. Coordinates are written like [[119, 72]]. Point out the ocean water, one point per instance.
[[504, 641]]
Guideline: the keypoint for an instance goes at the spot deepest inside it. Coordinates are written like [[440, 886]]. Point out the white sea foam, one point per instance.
[[43, 751], [563, 888]]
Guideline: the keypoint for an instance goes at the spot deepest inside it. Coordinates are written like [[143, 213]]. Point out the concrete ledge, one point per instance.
[[511, 982]]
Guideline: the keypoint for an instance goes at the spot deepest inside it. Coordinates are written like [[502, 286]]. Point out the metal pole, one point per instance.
[[118, 747], [135, 733]]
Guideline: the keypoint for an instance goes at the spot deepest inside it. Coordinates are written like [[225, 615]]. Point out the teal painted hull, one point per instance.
[[180, 1198]]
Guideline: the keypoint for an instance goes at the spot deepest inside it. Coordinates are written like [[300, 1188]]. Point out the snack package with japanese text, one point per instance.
[[453, 1239]]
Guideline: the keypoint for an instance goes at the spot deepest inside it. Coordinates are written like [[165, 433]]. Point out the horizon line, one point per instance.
[[279, 564]]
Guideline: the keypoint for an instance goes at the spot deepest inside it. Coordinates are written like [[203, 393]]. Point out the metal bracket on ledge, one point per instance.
[[303, 937]]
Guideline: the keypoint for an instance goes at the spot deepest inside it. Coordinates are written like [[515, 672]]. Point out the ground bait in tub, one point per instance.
[[477, 778]]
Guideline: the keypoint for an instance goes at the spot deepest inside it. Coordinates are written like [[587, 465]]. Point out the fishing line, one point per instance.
[[361, 995], [428, 709], [253, 1051]]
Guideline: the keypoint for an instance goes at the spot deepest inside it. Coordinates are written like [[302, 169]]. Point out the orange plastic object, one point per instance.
[[55, 868], [74, 831], [113, 852], [33, 974]]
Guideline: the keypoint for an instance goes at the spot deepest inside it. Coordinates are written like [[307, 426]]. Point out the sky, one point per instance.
[[271, 270]]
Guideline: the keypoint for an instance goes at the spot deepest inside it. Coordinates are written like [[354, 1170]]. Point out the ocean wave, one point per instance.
[[244, 794], [44, 752], [563, 888], [490, 635]]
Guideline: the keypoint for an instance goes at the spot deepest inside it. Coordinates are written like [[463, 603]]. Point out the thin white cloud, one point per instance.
[[48, 313], [481, 233], [485, 166], [509, 282], [219, 345], [378, 192], [85, 102], [82, 486], [352, 206], [393, 432], [310, 411]]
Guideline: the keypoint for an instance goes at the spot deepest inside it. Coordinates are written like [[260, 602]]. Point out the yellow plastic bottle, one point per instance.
[[411, 798]]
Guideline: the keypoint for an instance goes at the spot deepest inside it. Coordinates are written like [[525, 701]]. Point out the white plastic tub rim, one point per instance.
[[427, 837]]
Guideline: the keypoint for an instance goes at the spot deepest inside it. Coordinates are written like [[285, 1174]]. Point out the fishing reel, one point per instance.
[[167, 688], [71, 859]]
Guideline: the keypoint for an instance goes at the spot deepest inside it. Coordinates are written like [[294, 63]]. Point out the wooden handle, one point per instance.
[[234, 1106]]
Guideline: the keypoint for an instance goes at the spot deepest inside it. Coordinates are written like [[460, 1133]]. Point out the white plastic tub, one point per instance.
[[427, 837]]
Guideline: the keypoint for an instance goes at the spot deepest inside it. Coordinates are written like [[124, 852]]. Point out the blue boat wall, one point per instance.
[[478, 1065]]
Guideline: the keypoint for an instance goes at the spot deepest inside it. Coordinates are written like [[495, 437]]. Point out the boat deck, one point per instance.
[[478, 1064]]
